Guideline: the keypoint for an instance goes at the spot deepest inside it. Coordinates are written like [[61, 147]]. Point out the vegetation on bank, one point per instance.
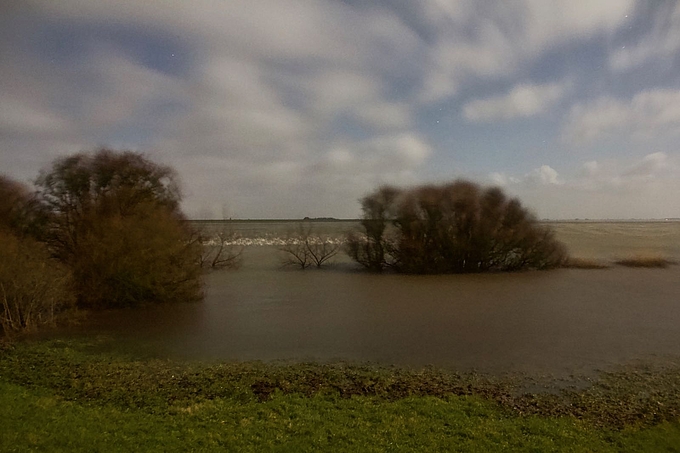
[[451, 228], [34, 287], [82, 395]]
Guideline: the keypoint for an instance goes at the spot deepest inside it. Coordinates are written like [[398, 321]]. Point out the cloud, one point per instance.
[[611, 188], [478, 39], [522, 101], [591, 167], [386, 115], [543, 175], [501, 179], [649, 166], [386, 155], [661, 42], [648, 113]]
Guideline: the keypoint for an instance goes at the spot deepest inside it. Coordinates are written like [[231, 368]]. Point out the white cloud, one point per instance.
[[492, 40], [545, 174], [649, 166], [501, 179], [591, 167], [386, 115], [648, 113], [661, 42], [522, 101], [394, 158], [18, 117], [610, 188]]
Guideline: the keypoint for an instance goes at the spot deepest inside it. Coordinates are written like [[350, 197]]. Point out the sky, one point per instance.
[[294, 108]]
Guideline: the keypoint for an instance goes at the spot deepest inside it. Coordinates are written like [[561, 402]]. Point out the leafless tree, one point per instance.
[[219, 250], [304, 248]]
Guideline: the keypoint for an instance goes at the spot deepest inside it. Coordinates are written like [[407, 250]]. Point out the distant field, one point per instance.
[[614, 240]]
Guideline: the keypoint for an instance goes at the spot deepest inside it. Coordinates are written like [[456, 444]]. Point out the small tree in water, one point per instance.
[[305, 248], [452, 228], [114, 219]]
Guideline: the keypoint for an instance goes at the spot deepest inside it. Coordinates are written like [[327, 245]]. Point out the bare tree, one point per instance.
[[305, 249], [219, 250]]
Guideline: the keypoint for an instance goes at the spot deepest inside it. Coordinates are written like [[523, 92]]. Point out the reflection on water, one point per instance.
[[559, 321]]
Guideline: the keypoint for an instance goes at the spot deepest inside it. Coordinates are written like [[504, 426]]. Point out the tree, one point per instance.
[[452, 228], [372, 247], [114, 219], [218, 249], [15, 205], [305, 248]]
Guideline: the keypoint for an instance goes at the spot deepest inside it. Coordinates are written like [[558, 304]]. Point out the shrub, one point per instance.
[[33, 288], [113, 218], [452, 228]]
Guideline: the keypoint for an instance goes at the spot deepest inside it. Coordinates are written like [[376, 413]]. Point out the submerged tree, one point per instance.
[[218, 248], [305, 248], [114, 219], [451, 228], [371, 248]]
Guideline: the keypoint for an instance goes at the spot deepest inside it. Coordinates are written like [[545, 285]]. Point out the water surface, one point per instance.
[[563, 321]]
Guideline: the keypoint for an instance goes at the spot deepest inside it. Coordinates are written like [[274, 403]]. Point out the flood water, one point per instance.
[[561, 322]]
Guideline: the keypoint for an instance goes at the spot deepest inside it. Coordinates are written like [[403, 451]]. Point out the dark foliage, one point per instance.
[[640, 395], [114, 219], [452, 228], [34, 289], [371, 248]]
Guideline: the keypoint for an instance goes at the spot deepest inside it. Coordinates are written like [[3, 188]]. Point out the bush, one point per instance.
[[34, 289], [452, 228], [113, 218]]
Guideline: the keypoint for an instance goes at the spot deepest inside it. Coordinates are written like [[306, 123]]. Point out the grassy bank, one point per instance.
[[83, 395]]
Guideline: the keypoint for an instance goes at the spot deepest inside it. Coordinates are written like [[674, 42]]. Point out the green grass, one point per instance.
[[84, 396]]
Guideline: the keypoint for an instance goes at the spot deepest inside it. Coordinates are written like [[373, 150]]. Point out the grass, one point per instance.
[[84, 396]]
